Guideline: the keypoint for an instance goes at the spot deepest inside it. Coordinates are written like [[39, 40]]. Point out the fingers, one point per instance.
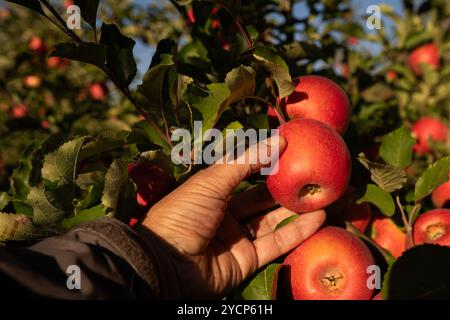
[[226, 175], [281, 241], [266, 224], [246, 204]]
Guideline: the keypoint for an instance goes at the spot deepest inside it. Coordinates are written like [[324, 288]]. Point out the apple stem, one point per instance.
[[406, 222], [279, 112]]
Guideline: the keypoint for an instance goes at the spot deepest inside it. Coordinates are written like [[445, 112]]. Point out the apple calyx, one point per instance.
[[331, 280], [309, 189], [435, 231]]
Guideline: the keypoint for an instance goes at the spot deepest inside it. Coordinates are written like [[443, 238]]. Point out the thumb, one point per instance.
[[226, 174]]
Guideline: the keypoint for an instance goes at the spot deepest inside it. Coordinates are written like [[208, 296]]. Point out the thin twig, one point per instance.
[[409, 234]]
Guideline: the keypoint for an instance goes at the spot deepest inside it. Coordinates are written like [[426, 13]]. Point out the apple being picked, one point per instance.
[[433, 227], [151, 181], [441, 195], [319, 98], [330, 265], [314, 170], [426, 54], [428, 128]]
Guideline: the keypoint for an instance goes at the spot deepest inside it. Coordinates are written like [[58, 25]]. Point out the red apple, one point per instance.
[[68, 3], [330, 265], [32, 81], [428, 128], [441, 195], [151, 181], [391, 75], [97, 91], [426, 54], [388, 235], [319, 98], [433, 227], [353, 40], [314, 170], [191, 16], [37, 45], [19, 111]]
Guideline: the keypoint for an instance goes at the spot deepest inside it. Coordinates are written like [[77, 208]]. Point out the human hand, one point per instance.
[[206, 228]]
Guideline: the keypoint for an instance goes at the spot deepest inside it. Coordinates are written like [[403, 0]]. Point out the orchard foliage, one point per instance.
[[74, 114]]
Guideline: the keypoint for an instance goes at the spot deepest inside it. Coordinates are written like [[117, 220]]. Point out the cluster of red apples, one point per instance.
[[322, 267]]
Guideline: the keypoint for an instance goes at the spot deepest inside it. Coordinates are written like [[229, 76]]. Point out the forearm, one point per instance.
[[114, 261]]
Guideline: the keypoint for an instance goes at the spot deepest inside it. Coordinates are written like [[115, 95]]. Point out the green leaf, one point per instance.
[[87, 215], [377, 93], [241, 82], [435, 175], [153, 86], [34, 5], [60, 165], [208, 104], [261, 286], [115, 182], [396, 147], [44, 212], [15, 227], [387, 177], [269, 59], [21, 175], [420, 273], [381, 199], [109, 140], [91, 53], [22, 207], [59, 174], [94, 184], [88, 10], [119, 59], [154, 135], [287, 221], [4, 200]]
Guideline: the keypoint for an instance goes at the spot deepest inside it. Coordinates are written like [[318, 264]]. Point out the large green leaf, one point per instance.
[[420, 273], [44, 212], [208, 103], [4, 200], [154, 135], [21, 174], [261, 286], [119, 58], [396, 147], [115, 182], [153, 86], [110, 140], [87, 52], [88, 10], [241, 82], [269, 59], [381, 199], [434, 175], [387, 177], [59, 174]]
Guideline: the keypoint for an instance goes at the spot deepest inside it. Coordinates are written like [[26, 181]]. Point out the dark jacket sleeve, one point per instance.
[[114, 262]]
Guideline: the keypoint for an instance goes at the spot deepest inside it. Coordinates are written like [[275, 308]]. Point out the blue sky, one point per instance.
[[144, 53]]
